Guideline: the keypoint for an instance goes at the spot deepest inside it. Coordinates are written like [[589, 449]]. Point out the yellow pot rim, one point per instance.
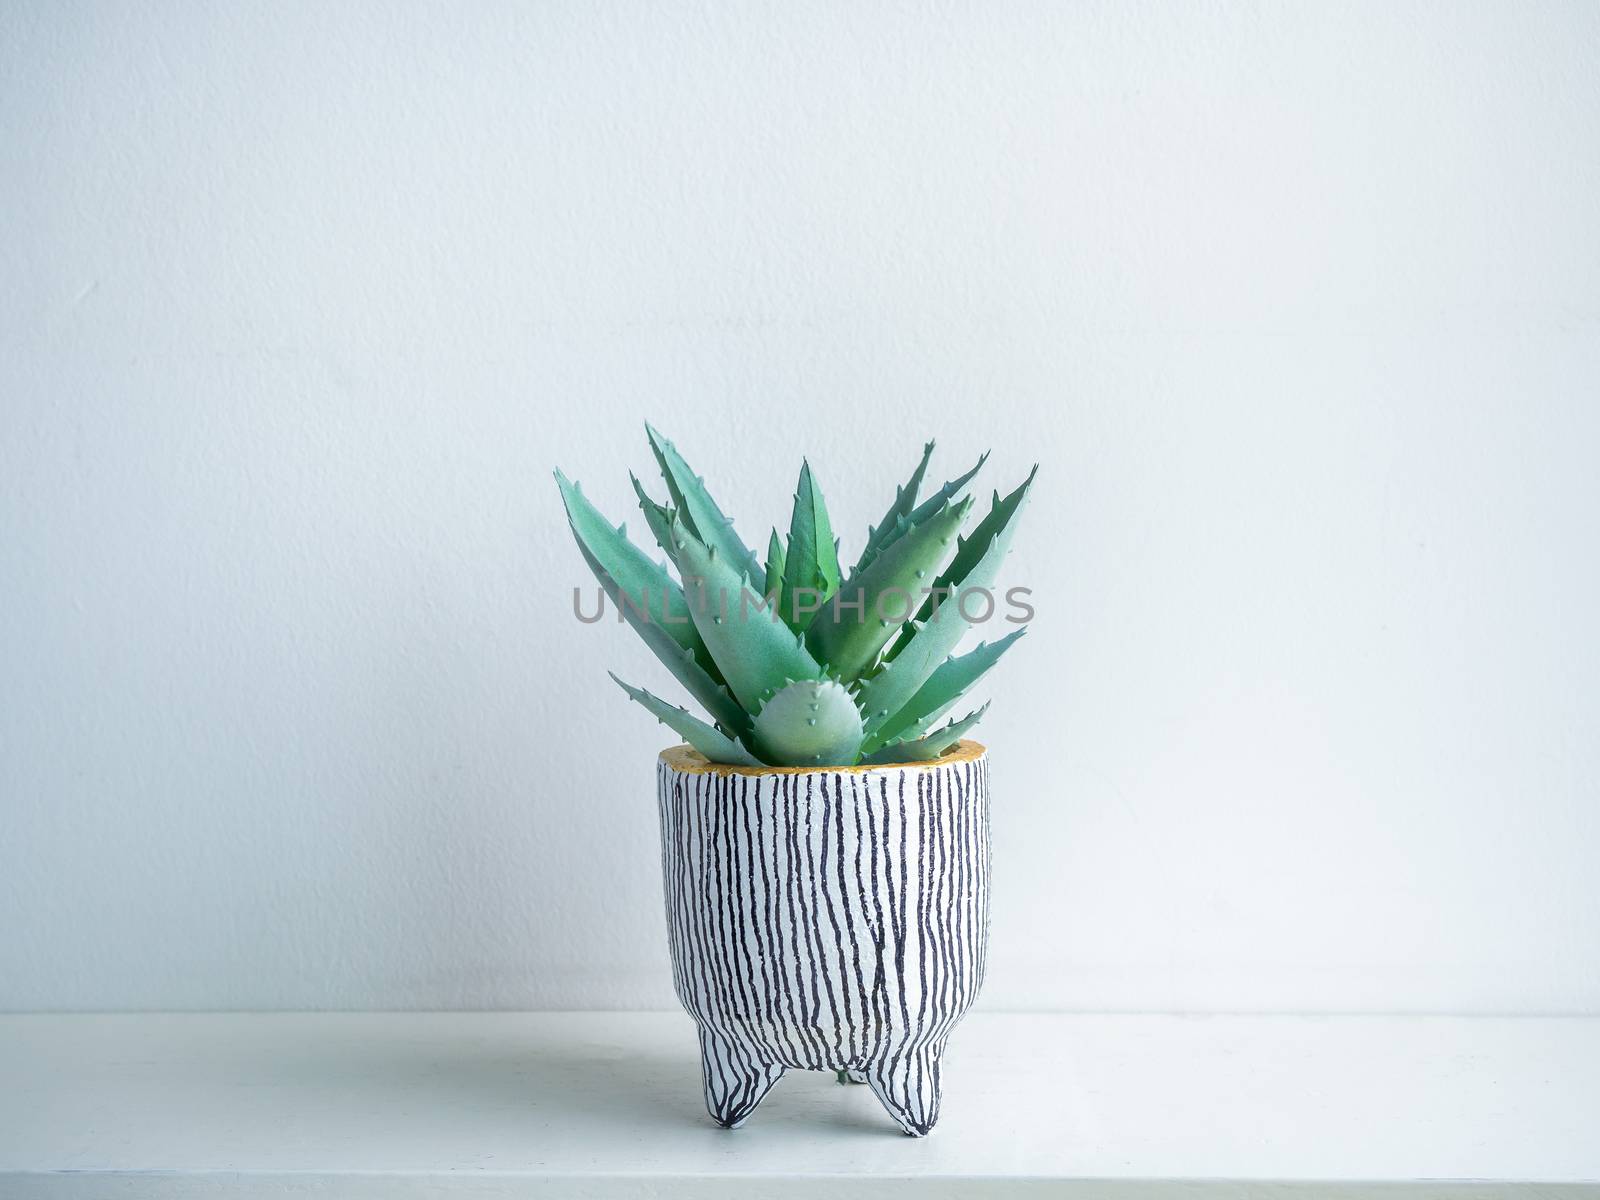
[[688, 761]]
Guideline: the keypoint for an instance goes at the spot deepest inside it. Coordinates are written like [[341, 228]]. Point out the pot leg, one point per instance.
[[735, 1080], [907, 1082]]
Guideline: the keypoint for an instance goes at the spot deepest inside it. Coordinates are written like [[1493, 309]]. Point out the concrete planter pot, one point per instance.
[[829, 919]]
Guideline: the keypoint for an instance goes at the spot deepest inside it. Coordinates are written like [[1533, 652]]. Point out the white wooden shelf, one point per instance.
[[594, 1105]]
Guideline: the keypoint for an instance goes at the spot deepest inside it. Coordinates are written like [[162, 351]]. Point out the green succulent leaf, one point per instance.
[[944, 687], [643, 581], [888, 533], [929, 506], [968, 550], [813, 556], [657, 516], [899, 678], [698, 511], [717, 746], [708, 690], [775, 562], [848, 638], [831, 686], [756, 653], [809, 723], [651, 601], [926, 748], [904, 499]]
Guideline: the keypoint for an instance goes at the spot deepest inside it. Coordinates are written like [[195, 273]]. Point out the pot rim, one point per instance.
[[686, 760]]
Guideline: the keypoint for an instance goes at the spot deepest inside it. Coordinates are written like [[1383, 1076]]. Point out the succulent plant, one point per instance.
[[796, 662]]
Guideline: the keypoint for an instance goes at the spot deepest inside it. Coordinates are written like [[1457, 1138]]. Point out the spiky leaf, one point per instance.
[[968, 551], [808, 723], [755, 653], [644, 582], [848, 638], [898, 679], [652, 602], [888, 532], [657, 516], [813, 556], [944, 687], [698, 511], [930, 747], [712, 694], [904, 499], [713, 743], [775, 561], [927, 508]]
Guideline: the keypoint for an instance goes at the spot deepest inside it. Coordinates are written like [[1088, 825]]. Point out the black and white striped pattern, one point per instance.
[[830, 919]]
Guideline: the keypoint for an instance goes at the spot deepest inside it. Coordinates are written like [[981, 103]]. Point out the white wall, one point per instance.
[[1297, 305]]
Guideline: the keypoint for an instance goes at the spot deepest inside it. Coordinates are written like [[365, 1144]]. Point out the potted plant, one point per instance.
[[825, 848]]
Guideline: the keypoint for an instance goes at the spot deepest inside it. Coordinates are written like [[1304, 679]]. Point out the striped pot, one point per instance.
[[828, 919]]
